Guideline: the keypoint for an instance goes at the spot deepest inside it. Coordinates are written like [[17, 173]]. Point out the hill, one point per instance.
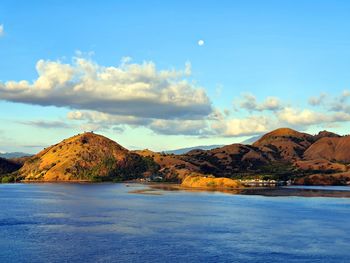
[[227, 160], [172, 167], [8, 166], [276, 155], [334, 149], [282, 154], [342, 178], [323, 134], [85, 157], [285, 144]]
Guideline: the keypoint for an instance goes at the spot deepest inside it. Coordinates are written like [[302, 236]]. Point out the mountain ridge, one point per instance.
[[282, 154]]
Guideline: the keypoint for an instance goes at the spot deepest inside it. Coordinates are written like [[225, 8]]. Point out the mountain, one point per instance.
[[227, 160], [186, 150], [282, 154], [11, 155], [85, 157], [285, 144]]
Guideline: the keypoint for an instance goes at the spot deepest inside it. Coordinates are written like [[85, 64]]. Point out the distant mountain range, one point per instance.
[[251, 140], [283, 154], [11, 155], [209, 147], [186, 150]]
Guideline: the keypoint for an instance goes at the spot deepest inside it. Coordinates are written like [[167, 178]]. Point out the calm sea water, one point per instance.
[[106, 223]]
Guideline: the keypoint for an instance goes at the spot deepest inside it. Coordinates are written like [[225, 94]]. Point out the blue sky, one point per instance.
[[264, 64]]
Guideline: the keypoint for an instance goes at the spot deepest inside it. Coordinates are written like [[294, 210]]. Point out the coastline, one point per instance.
[[156, 188]]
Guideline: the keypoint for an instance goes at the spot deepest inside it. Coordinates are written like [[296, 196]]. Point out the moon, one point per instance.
[[200, 42]]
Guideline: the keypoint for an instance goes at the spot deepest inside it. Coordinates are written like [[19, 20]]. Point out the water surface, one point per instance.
[[107, 223]]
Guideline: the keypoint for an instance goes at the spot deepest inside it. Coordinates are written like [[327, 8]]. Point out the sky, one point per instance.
[[170, 74]]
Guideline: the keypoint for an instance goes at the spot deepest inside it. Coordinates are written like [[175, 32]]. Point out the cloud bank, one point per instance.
[[164, 101], [138, 90]]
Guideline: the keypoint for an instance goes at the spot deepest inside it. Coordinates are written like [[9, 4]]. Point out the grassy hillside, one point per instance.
[[89, 157]]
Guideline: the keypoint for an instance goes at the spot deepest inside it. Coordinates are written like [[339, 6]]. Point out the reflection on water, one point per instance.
[[318, 187], [305, 191], [115, 223]]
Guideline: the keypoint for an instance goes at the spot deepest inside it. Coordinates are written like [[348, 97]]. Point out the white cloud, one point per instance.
[[176, 127], [107, 119], [164, 101], [2, 30], [98, 121], [317, 100], [251, 125], [307, 117], [47, 124], [271, 103], [249, 102], [274, 114], [338, 103], [138, 90]]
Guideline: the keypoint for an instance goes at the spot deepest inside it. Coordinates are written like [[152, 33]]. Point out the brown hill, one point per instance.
[[334, 149], [320, 165], [324, 179], [227, 160], [84, 157], [323, 134], [172, 167], [282, 154], [284, 144]]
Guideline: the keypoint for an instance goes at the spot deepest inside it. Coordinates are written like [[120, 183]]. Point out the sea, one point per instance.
[[111, 222]]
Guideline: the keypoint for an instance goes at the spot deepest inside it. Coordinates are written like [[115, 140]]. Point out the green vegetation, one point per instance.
[[8, 179], [132, 167], [211, 184]]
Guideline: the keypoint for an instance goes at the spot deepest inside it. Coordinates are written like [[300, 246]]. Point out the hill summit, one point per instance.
[[285, 144]]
